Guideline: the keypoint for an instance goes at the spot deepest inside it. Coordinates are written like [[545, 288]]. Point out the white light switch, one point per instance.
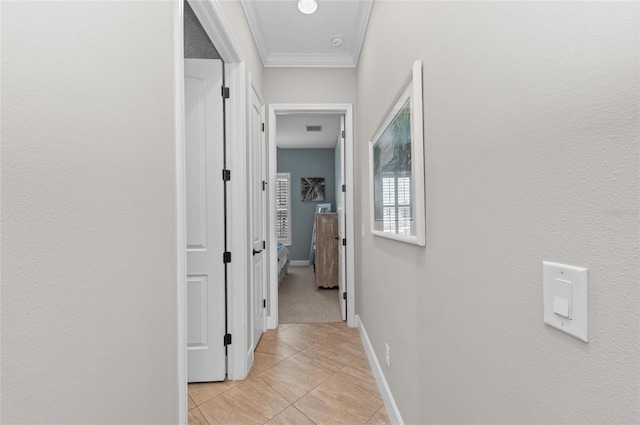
[[562, 298], [566, 299]]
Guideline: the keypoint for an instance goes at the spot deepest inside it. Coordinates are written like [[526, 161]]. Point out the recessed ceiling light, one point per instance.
[[337, 41], [307, 6]]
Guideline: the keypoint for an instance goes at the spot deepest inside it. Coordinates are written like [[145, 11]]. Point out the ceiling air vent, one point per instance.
[[314, 128]]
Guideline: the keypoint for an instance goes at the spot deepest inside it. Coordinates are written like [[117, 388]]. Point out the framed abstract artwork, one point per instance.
[[312, 189], [396, 161]]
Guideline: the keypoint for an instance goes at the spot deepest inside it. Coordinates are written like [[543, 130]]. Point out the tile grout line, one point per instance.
[[331, 331], [304, 414], [277, 392], [259, 373], [211, 398], [377, 394], [298, 399], [374, 413], [203, 416], [333, 373]]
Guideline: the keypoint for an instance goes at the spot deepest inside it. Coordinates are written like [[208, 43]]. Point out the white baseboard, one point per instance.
[[299, 262], [385, 391]]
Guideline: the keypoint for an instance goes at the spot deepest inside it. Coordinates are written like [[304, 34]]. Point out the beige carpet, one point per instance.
[[300, 302]]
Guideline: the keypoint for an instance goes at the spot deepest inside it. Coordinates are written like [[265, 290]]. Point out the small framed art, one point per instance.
[[312, 189]]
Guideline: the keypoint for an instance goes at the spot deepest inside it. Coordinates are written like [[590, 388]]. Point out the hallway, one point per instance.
[[301, 301], [303, 374]]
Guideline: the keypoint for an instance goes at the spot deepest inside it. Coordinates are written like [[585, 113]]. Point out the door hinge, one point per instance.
[[344, 187], [264, 185], [263, 127], [264, 303], [344, 295], [226, 257], [225, 92], [226, 175], [227, 339], [264, 245], [343, 134], [344, 242]]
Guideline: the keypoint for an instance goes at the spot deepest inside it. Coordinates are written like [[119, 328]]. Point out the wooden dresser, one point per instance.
[[326, 256]]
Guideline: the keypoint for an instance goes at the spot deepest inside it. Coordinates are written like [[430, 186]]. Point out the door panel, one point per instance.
[[258, 217], [197, 311], [206, 360]]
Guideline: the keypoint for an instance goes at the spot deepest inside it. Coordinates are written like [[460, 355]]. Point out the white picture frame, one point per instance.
[[396, 164]]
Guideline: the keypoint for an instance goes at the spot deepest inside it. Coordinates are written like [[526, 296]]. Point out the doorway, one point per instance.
[[306, 218], [344, 111], [210, 15]]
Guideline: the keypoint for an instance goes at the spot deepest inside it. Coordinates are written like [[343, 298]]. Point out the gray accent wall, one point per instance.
[[306, 163], [197, 44]]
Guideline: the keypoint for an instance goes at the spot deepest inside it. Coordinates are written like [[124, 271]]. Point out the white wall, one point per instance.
[[310, 85], [88, 213], [531, 149]]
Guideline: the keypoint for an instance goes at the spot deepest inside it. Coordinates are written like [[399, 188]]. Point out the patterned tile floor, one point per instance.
[[303, 374]]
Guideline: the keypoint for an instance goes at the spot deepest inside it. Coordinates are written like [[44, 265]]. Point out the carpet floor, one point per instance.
[[300, 302]]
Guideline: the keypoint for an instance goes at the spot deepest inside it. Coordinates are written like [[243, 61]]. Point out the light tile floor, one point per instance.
[[303, 374]]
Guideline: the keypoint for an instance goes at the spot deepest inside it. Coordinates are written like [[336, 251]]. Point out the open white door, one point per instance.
[[342, 252], [205, 220], [258, 190]]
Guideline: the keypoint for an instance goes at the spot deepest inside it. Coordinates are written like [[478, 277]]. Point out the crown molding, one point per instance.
[[256, 29], [309, 60], [345, 59], [361, 29]]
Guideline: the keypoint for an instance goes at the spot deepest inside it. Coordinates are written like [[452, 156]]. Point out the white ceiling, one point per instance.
[[291, 131], [287, 38]]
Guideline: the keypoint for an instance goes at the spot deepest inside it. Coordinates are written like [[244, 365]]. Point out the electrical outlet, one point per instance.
[[387, 355]]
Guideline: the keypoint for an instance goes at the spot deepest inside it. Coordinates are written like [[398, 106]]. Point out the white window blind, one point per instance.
[[396, 203], [283, 207]]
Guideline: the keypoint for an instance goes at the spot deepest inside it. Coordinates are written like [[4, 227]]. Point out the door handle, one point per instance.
[[255, 251]]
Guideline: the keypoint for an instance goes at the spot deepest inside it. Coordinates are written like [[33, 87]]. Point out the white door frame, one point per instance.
[[211, 17], [336, 108]]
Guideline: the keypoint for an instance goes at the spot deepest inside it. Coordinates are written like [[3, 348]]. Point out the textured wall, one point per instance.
[[310, 85], [88, 213], [306, 163], [531, 150], [197, 43]]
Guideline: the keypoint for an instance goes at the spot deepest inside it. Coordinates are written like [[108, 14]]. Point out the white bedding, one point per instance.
[[283, 261]]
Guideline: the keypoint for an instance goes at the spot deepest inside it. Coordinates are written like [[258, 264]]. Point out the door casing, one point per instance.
[[212, 19], [334, 108], [341, 208]]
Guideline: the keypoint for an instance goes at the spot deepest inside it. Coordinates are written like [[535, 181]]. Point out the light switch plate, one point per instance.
[[557, 280]]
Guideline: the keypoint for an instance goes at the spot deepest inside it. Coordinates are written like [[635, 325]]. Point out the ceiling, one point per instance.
[[285, 37], [291, 131]]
